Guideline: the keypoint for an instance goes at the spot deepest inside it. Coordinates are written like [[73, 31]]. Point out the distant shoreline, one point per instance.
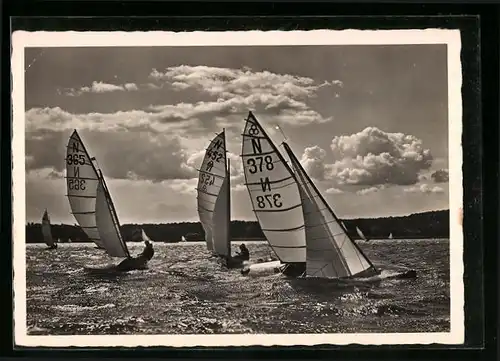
[[250, 241], [427, 225]]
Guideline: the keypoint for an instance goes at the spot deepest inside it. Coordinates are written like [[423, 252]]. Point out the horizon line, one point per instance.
[[242, 220]]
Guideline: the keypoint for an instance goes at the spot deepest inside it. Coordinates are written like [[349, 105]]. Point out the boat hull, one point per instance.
[[261, 268]]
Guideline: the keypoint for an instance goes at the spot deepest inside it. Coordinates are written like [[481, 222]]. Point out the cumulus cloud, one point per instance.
[[370, 190], [101, 87], [374, 157], [334, 191], [313, 162], [424, 188], [440, 176], [126, 144], [236, 90], [226, 82]]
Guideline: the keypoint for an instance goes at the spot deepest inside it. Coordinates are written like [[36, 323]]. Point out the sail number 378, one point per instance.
[[259, 163], [269, 201]]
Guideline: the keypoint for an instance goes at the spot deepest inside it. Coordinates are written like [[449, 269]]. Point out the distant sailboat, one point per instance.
[[275, 197], [361, 234], [183, 239], [213, 197], [47, 232], [331, 253], [145, 237], [390, 235], [90, 201]]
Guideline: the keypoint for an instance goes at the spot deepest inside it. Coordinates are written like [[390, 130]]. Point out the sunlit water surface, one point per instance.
[[184, 291]]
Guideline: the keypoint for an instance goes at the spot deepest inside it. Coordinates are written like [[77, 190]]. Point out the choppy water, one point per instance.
[[185, 292]]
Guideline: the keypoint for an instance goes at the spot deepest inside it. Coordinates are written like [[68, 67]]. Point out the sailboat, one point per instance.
[[330, 251], [91, 203], [145, 237], [361, 234], [47, 232], [321, 247], [275, 198], [213, 198], [390, 236], [183, 239]]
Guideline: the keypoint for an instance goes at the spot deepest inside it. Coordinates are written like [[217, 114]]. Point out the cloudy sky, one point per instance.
[[369, 123]]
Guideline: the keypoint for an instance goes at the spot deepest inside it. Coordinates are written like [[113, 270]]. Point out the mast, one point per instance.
[[291, 154]]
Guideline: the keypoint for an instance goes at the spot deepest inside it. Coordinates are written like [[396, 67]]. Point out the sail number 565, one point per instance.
[[269, 201], [260, 163]]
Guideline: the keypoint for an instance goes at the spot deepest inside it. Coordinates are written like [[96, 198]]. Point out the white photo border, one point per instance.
[[450, 37]]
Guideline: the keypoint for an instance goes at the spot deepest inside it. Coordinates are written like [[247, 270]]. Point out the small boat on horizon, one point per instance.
[[361, 234], [47, 232]]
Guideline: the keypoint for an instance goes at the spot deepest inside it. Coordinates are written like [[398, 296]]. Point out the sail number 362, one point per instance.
[[269, 201], [259, 163]]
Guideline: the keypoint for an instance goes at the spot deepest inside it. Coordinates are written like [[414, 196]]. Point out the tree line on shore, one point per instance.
[[434, 224]]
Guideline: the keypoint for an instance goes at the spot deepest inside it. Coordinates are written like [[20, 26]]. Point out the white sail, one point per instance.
[[330, 251], [390, 236], [274, 194], [82, 180], [183, 239], [107, 224], [212, 209], [145, 236], [221, 214], [46, 230], [360, 234]]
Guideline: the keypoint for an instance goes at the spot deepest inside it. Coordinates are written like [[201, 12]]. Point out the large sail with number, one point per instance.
[[274, 194], [90, 200], [82, 180], [214, 196], [46, 230], [331, 253]]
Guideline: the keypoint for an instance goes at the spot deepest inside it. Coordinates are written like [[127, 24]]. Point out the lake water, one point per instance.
[[185, 292]]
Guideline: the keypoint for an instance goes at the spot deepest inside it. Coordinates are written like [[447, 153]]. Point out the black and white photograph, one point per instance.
[[237, 188]]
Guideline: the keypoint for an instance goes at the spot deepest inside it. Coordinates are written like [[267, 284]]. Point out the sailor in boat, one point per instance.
[[139, 262], [54, 246], [243, 254]]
